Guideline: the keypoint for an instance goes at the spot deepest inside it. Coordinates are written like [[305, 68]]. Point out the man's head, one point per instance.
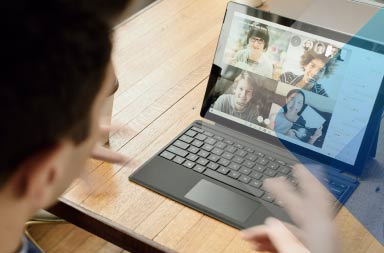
[[243, 89], [258, 37], [316, 66], [57, 74]]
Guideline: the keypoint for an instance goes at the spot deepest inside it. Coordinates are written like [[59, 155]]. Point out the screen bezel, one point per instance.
[[375, 117]]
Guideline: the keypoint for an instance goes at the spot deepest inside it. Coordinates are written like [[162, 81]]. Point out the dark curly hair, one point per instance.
[[309, 55]]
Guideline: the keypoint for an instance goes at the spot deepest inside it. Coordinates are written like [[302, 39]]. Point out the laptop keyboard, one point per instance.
[[232, 163]]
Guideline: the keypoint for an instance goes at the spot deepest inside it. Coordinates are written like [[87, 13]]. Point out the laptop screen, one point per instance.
[[306, 89]]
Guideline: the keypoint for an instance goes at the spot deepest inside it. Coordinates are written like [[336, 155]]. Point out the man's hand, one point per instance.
[[104, 154], [309, 208]]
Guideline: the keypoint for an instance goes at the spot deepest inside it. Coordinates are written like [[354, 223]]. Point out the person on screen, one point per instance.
[[253, 57], [239, 103], [315, 66], [320, 48], [308, 45], [290, 122]]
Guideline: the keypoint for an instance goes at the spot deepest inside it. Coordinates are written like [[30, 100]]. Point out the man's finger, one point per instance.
[[107, 155]]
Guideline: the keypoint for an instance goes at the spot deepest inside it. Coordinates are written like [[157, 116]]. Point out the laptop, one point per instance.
[[280, 92]]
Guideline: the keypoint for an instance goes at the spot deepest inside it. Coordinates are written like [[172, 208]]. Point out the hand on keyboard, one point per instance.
[[309, 208]]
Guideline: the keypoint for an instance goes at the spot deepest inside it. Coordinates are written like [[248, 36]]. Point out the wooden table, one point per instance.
[[162, 59]]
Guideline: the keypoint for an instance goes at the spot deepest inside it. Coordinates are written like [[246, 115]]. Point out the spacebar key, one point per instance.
[[246, 188]]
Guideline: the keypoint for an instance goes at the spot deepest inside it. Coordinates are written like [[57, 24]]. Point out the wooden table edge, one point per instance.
[[104, 228]]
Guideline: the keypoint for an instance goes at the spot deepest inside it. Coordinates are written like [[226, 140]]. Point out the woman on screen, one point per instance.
[[290, 122], [315, 66], [253, 57]]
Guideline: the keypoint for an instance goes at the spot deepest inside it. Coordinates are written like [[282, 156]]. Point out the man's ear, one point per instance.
[[36, 176]]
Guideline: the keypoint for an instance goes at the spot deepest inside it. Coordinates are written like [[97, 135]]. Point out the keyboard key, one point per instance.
[[279, 202], [219, 138], [212, 165], [239, 146], [251, 157], [292, 180], [223, 170], [270, 158], [227, 155], [178, 160], [339, 185], [284, 170], [199, 168], [207, 147], [249, 150], [186, 139], [232, 182], [248, 164], [208, 133], [231, 149], [238, 160], [281, 162], [181, 144], [213, 158], [192, 157], [257, 192], [336, 191], [197, 143], [191, 133], [241, 153], [217, 151], [201, 137], [220, 145], [245, 171], [189, 164], [256, 175], [260, 154], [229, 142], [193, 149], [259, 168], [210, 141], [202, 161], [270, 172], [177, 151], [224, 162], [244, 179], [197, 129], [268, 198], [273, 165], [203, 153], [262, 161], [234, 166], [167, 155], [256, 183], [234, 174]]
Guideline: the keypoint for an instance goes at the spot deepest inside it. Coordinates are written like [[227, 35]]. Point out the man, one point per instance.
[[56, 74], [239, 104]]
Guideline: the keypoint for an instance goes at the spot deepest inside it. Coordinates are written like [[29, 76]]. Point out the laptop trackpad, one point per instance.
[[222, 200]]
